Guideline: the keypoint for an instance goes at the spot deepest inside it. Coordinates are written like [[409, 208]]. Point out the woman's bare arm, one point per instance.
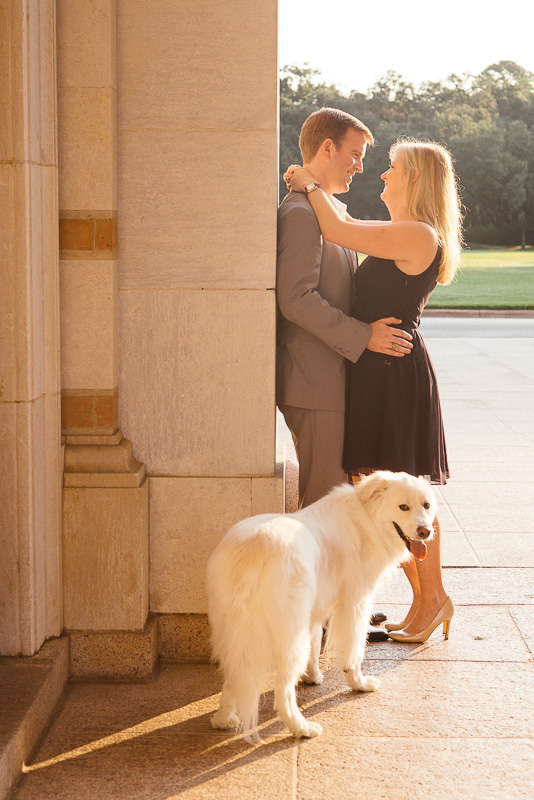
[[348, 218], [408, 242], [411, 244]]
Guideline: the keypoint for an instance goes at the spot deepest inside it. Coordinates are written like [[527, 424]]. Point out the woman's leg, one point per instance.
[[432, 591], [410, 570]]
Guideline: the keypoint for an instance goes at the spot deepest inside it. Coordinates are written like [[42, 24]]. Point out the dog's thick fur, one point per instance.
[[274, 580]]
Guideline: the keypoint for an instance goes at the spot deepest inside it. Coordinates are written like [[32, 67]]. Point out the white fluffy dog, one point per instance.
[[275, 579]]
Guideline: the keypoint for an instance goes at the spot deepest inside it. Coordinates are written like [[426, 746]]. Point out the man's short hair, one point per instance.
[[328, 123]]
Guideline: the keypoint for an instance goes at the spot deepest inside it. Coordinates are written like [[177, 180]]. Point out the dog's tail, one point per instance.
[[248, 687], [240, 643], [239, 634]]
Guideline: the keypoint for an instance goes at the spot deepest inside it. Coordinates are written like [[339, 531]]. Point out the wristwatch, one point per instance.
[[311, 187]]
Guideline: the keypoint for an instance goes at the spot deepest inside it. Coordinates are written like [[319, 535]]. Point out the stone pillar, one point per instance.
[[105, 517], [88, 216], [30, 545], [196, 279]]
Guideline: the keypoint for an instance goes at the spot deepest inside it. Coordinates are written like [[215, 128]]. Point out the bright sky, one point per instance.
[[353, 44]]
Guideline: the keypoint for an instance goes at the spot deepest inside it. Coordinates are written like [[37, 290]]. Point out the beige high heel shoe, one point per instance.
[[444, 616], [401, 625], [393, 627]]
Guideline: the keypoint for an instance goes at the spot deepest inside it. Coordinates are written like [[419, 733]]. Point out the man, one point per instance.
[[314, 292]]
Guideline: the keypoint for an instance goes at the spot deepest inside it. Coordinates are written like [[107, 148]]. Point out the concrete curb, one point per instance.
[[482, 312]]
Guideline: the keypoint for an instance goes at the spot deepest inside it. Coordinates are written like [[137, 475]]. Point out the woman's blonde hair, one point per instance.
[[433, 197]]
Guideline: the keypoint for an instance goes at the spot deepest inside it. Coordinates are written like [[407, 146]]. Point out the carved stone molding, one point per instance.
[[101, 461]]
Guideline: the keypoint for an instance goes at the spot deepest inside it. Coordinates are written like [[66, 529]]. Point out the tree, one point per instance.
[[486, 121], [301, 94]]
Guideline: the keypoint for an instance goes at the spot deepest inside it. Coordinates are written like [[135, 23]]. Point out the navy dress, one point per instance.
[[393, 413]]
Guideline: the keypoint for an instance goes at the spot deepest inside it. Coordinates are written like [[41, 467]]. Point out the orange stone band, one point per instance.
[[89, 411], [89, 235]]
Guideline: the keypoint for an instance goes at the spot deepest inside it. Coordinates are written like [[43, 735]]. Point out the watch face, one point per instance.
[[310, 187]]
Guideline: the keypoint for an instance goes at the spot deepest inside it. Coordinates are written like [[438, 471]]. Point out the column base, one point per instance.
[[184, 637], [115, 655], [105, 536]]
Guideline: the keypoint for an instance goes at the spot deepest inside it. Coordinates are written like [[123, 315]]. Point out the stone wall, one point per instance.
[[197, 229], [138, 189]]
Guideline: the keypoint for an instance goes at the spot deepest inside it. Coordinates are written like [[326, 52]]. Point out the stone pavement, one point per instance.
[[452, 719]]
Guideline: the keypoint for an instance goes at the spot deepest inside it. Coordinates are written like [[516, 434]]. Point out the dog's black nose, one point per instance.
[[423, 533]]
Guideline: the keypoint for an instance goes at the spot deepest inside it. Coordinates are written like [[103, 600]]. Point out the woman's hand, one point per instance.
[[297, 178]]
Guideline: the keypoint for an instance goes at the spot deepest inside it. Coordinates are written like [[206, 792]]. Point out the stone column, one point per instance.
[[196, 282], [105, 516], [30, 447]]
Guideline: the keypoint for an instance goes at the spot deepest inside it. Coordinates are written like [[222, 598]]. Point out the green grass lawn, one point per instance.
[[490, 279]]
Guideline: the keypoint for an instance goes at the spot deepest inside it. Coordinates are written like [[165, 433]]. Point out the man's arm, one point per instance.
[[300, 251]]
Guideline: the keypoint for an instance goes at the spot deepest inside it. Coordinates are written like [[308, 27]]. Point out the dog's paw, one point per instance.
[[307, 730], [224, 722], [369, 683], [313, 677], [361, 683]]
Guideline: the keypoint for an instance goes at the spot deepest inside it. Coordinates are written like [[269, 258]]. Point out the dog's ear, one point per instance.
[[372, 487]]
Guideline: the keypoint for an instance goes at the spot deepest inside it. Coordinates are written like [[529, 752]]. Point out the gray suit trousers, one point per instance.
[[318, 438]]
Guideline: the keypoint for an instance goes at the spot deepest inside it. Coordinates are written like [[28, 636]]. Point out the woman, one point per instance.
[[393, 414]]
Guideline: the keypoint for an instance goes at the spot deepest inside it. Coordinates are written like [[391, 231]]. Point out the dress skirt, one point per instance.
[[393, 415]]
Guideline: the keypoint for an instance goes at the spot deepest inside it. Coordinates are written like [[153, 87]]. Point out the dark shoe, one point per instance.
[[378, 617], [375, 634]]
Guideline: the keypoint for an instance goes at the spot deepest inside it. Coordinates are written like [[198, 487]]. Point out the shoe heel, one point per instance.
[[446, 626]]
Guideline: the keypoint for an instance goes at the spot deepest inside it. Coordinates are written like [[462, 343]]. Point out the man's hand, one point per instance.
[[387, 340]]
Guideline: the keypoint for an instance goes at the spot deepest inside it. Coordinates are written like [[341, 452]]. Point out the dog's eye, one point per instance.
[[426, 505], [404, 507]]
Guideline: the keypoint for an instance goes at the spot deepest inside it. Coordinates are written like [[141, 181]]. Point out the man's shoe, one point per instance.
[[375, 634], [378, 617]]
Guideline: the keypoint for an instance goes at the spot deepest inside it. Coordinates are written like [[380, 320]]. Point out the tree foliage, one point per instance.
[[486, 121]]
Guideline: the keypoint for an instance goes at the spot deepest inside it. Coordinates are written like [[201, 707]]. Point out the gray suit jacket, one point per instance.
[[314, 286]]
